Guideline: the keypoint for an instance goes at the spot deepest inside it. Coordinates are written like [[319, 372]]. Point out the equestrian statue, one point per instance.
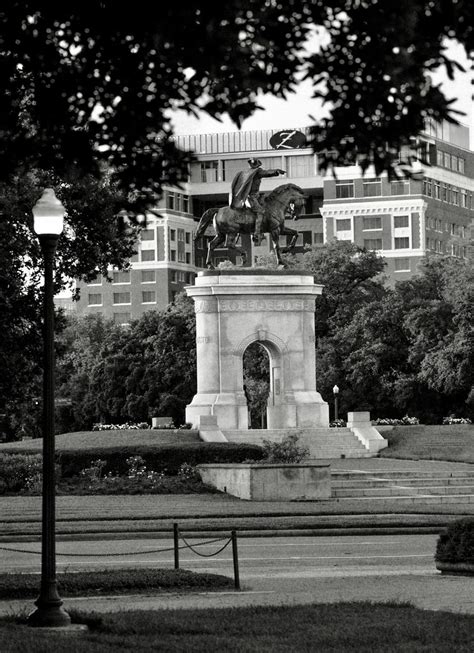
[[247, 214]]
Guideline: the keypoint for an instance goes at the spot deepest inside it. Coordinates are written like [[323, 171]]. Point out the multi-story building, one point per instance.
[[405, 219], [163, 265]]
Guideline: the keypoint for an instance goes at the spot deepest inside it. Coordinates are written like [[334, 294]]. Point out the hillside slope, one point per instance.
[[434, 442]]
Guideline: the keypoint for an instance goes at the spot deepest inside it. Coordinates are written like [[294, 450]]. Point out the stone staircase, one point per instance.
[[323, 443], [410, 486]]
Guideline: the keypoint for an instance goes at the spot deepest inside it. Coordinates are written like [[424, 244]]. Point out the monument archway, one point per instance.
[[235, 308]]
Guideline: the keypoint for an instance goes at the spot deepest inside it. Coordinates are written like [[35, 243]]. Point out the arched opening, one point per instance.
[[256, 367]]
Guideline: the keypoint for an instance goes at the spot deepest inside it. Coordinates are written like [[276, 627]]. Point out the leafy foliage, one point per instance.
[[289, 450], [92, 84], [456, 543]]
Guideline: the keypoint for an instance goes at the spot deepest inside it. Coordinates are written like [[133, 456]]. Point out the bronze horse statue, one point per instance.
[[229, 222]]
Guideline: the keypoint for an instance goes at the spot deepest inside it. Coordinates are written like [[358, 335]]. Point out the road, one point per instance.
[[275, 557], [277, 570]]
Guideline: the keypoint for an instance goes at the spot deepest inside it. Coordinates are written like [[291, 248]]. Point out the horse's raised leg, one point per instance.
[[215, 242], [286, 231]]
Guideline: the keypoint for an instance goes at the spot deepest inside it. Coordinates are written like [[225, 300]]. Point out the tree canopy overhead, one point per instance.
[[91, 82]]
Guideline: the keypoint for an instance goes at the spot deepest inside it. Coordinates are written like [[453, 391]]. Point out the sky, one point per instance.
[[297, 109]]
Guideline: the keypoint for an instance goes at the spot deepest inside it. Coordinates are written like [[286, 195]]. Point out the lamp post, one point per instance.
[[48, 215], [335, 391]]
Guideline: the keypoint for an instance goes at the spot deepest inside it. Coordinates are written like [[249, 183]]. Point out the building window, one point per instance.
[[96, 282], [209, 171], [401, 187], [148, 254], [121, 318], [427, 187], [439, 158], [174, 276], [147, 234], [461, 165], [185, 200], [400, 221], [188, 238], [344, 224], [444, 193], [372, 187], [121, 276], [95, 299], [464, 199], [318, 238], [188, 258], [148, 276], [436, 190], [373, 243], [455, 196], [447, 160], [172, 255], [344, 189], [173, 235], [121, 298], [402, 243], [402, 264], [371, 222], [148, 297]]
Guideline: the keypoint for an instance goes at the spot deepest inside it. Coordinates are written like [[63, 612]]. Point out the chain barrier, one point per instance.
[[176, 548]]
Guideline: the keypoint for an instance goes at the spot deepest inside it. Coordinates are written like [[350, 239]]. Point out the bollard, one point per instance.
[[176, 545], [236, 561]]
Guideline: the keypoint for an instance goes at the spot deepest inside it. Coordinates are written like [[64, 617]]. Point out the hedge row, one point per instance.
[[166, 458], [456, 543]]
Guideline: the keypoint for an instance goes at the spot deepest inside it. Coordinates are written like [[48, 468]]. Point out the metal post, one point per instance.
[[235, 556], [49, 611], [335, 407], [176, 545]]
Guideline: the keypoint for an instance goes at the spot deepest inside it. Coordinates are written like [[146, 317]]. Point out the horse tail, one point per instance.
[[205, 221]]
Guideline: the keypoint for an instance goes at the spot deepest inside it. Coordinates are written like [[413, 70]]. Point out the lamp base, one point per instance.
[[49, 616]]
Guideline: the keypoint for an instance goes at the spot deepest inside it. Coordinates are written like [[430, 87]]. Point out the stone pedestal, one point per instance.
[[235, 308]]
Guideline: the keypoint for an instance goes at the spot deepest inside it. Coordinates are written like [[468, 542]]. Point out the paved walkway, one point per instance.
[[431, 591]]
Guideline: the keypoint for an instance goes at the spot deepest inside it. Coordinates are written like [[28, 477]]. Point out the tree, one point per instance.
[[92, 241], [94, 82], [117, 374], [411, 350]]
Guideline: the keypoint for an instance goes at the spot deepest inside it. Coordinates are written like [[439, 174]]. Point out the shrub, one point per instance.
[[456, 543], [286, 451], [456, 420], [404, 421], [120, 427], [338, 424], [19, 471], [166, 458]]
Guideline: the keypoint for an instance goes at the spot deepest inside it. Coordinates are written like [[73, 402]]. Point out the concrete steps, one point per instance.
[[436, 486], [323, 443]]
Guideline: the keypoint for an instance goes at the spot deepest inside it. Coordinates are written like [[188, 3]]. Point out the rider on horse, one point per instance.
[[245, 192]]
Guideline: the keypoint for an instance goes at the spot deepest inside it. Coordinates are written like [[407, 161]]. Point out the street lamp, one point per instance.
[[335, 391], [48, 215]]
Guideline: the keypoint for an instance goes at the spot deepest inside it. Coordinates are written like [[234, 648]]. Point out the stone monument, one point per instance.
[[236, 307]]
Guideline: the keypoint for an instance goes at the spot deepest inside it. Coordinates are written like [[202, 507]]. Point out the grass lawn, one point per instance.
[[115, 438], [307, 628], [453, 442], [123, 581]]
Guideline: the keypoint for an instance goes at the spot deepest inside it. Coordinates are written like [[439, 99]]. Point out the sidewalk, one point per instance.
[[430, 590]]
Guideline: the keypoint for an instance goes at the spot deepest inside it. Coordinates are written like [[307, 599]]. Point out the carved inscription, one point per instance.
[[253, 305], [205, 306]]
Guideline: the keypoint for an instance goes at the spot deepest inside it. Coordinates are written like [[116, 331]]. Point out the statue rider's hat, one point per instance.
[[254, 163]]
